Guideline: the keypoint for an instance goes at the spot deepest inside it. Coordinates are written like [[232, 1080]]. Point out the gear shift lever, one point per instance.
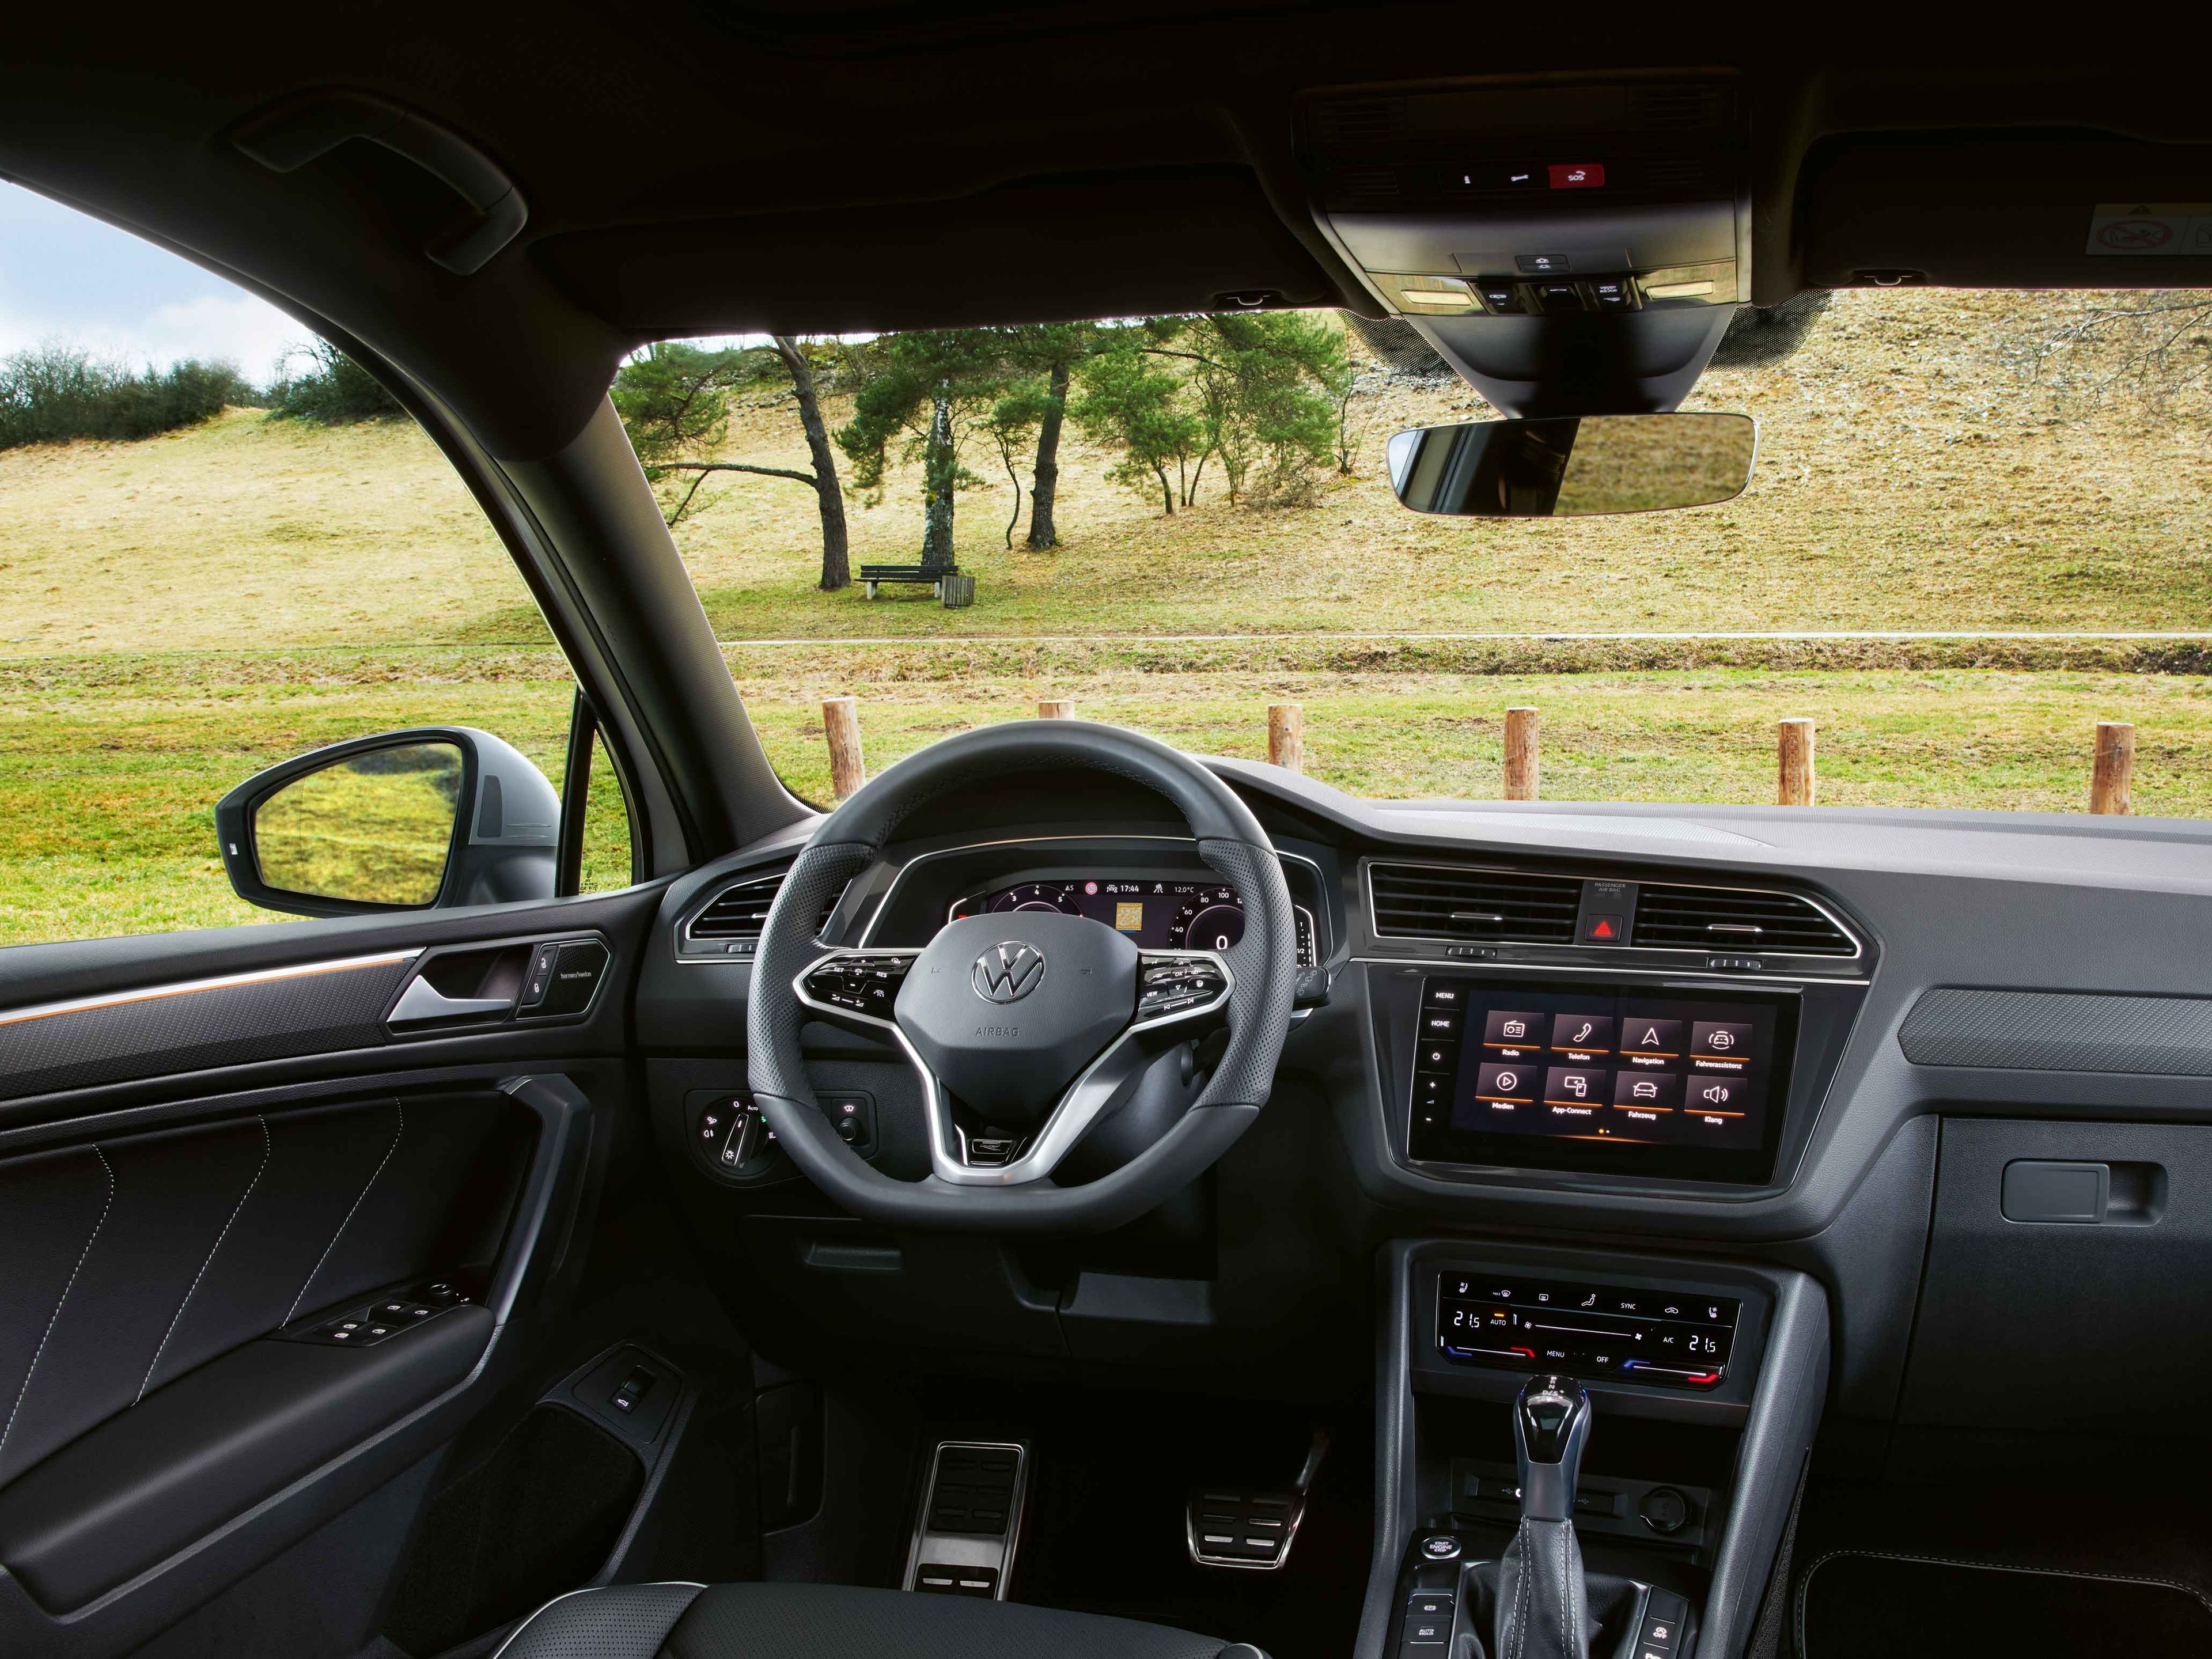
[[1543, 1603], [1551, 1426]]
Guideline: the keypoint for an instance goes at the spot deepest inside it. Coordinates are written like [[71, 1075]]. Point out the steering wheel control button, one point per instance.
[[1440, 1548], [866, 985], [1174, 987]]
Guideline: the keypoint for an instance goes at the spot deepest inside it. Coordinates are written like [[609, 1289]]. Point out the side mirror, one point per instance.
[[1573, 466], [430, 818]]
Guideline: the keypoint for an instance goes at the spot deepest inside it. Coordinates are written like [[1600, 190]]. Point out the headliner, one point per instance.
[[836, 164]]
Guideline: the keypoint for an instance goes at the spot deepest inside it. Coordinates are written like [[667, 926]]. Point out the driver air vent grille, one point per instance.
[[1361, 123], [1680, 107], [1364, 183], [1709, 918], [740, 911], [1421, 900]]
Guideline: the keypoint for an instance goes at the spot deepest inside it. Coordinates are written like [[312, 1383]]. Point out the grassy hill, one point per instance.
[[178, 612]]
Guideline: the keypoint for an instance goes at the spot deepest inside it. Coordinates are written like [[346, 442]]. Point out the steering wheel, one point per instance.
[[1028, 1028]]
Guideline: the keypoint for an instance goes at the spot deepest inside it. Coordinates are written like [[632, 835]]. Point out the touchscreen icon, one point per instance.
[[1583, 1033], [1574, 1091], [1514, 1028], [1715, 1094], [1506, 1084], [1647, 1091], [1651, 1036], [1721, 1039]]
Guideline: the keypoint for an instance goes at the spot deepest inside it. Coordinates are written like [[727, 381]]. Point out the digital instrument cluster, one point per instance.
[[1157, 914]]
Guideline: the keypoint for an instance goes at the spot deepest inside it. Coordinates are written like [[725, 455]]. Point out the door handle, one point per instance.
[[422, 1002], [300, 129]]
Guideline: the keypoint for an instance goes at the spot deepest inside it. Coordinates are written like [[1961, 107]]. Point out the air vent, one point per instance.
[[1679, 108], [1675, 172], [740, 911], [1722, 918], [1424, 900], [1363, 183], [1362, 123]]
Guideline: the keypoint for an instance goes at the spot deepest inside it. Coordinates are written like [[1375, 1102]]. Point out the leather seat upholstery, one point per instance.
[[834, 1621]]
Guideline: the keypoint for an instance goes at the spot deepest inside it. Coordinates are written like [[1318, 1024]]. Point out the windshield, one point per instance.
[[1977, 526]]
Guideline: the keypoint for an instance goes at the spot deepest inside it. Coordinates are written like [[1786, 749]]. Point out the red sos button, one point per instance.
[[1577, 175]]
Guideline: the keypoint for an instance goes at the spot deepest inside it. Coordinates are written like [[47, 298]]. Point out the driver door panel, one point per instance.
[[205, 1156]]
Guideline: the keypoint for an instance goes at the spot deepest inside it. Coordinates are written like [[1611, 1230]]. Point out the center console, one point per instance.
[[1700, 1382]]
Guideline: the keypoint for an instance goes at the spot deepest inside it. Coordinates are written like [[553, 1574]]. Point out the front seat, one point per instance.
[[834, 1621]]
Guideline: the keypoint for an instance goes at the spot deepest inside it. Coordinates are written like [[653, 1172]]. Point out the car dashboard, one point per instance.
[[1888, 1126]]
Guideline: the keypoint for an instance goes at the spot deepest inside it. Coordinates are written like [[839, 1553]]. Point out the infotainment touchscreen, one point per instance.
[[1600, 1078]]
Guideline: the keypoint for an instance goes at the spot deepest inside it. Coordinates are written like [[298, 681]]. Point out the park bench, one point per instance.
[[917, 575]]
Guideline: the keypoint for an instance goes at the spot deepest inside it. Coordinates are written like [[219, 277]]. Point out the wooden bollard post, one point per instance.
[[1286, 736], [840, 725], [1521, 766], [1793, 750], [1056, 709], [2114, 778]]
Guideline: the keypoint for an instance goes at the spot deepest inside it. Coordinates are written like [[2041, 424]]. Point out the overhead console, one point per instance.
[[1570, 247]]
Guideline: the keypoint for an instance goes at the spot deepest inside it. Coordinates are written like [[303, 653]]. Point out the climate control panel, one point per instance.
[[1668, 1339]]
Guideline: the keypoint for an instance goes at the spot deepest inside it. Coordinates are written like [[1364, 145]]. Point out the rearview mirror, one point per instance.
[[428, 817], [1571, 467]]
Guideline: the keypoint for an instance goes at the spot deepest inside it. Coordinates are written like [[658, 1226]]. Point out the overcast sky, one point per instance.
[[64, 276]]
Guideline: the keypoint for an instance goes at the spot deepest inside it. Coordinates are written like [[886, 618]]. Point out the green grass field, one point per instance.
[[177, 613]]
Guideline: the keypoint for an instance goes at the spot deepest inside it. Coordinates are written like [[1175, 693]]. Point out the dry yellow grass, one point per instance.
[[243, 534]]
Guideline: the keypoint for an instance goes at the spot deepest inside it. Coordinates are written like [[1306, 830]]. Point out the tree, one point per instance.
[[923, 392], [1047, 353], [1273, 380], [830, 497], [1133, 400], [333, 391], [674, 400], [1258, 391], [55, 393]]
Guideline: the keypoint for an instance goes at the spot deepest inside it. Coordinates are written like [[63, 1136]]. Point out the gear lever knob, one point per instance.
[[1551, 1426]]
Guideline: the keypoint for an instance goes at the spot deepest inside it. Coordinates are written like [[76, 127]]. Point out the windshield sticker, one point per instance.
[[2141, 227]]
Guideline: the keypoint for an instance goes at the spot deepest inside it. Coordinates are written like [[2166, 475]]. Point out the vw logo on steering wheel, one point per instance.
[[1007, 972]]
